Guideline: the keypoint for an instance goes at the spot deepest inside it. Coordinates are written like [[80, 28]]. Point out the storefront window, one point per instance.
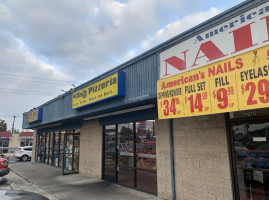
[[61, 152], [69, 152], [251, 150], [4, 142], [146, 156], [125, 145], [110, 150], [56, 148], [60, 149], [47, 147], [76, 150], [131, 139]]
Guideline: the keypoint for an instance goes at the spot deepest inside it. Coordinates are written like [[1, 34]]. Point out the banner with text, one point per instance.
[[34, 115], [237, 83], [109, 87]]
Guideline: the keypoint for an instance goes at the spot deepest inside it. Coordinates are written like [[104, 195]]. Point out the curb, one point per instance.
[[15, 172], [29, 181]]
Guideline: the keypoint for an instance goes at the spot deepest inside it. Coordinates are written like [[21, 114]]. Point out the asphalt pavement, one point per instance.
[[48, 181]]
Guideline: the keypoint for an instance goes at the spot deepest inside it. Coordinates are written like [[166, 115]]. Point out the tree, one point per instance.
[[3, 125]]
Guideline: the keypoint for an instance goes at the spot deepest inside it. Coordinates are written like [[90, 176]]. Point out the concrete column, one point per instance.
[[34, 146], [163, 159], [90, 159], [202, 167]]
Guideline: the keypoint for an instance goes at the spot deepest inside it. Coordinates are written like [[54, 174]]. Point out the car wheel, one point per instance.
[[24, 158]]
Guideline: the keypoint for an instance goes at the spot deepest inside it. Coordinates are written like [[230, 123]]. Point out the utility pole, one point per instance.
[[13, 124]]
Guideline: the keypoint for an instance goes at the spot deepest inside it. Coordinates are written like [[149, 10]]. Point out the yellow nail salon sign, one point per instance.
[[237, 83]]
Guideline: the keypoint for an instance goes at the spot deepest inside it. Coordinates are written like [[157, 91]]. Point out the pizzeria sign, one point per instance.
[[110, 87]]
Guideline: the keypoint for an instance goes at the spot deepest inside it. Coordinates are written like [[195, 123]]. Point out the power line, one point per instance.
[[28, 92], [37, 78], [36, 81]]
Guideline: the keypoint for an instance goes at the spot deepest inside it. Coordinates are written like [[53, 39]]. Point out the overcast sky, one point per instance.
[[46, 46]]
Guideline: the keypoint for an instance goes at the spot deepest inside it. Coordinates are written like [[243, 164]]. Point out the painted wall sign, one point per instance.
[[111, 86], [237, 83], [241, 34], [35, 115]]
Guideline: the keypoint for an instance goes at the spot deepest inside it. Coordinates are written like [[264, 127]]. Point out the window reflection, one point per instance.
[[146, 145], [125, 145], [119, 152], [251, 149]]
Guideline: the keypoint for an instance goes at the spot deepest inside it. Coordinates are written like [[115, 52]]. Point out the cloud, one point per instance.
[[74, 41], [177, 27]]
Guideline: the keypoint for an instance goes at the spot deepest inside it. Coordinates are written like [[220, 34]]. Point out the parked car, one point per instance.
[[24, 153], [4, 169]]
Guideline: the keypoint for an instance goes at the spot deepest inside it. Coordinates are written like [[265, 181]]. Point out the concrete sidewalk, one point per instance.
[[74, 186]]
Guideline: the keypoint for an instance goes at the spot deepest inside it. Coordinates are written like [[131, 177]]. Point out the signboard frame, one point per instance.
[[36, 114], [120, 90]]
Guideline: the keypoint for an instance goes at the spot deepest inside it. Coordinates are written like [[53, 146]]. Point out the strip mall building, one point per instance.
[[187, 119]]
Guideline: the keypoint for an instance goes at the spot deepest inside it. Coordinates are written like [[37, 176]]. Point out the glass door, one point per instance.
[[129, 156], [68, 152], [125, 146], [47, 148], [250, 147], [109, 153], [42, 148], [61, 150], [51, 148], [56, 149], [76, 151], [71, 152], [146, 163]]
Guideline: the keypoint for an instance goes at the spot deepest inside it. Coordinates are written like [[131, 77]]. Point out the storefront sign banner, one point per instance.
[[237, 83], [111, 86], [243, 33], [35, 115]]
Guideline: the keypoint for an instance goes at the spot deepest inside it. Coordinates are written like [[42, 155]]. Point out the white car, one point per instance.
[[24, 153]]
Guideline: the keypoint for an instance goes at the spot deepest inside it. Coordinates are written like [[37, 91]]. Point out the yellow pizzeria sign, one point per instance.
[[237, 83], [35, 115], [109, 87]]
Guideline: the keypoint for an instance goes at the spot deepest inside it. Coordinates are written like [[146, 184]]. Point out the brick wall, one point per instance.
[[163, 159], [202, 169], [90, 160]]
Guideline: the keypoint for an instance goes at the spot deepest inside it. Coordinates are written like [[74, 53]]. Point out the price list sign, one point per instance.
[[237, 83]]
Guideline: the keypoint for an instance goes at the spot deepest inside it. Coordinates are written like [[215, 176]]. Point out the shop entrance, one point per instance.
[[250, 153], [129, 155], [60, 149]]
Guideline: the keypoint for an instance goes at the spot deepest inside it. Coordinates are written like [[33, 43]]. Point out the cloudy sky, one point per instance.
[[46, 46]]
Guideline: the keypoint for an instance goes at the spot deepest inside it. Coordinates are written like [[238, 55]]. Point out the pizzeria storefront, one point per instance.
[[185, 120], [59, 149]]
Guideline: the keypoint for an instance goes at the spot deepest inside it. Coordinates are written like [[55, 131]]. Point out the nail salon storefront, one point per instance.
[[187, 119]]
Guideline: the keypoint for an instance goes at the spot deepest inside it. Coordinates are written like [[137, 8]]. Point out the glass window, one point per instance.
[[56, 149], [251, 150], [76, 151], [126, 176], [146, 145], [119, 151], [110, 150], [146, 162], [61, 148], [125, 145], [69, 152]]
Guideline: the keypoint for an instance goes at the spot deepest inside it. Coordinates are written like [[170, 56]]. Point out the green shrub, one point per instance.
[[5, 150]]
